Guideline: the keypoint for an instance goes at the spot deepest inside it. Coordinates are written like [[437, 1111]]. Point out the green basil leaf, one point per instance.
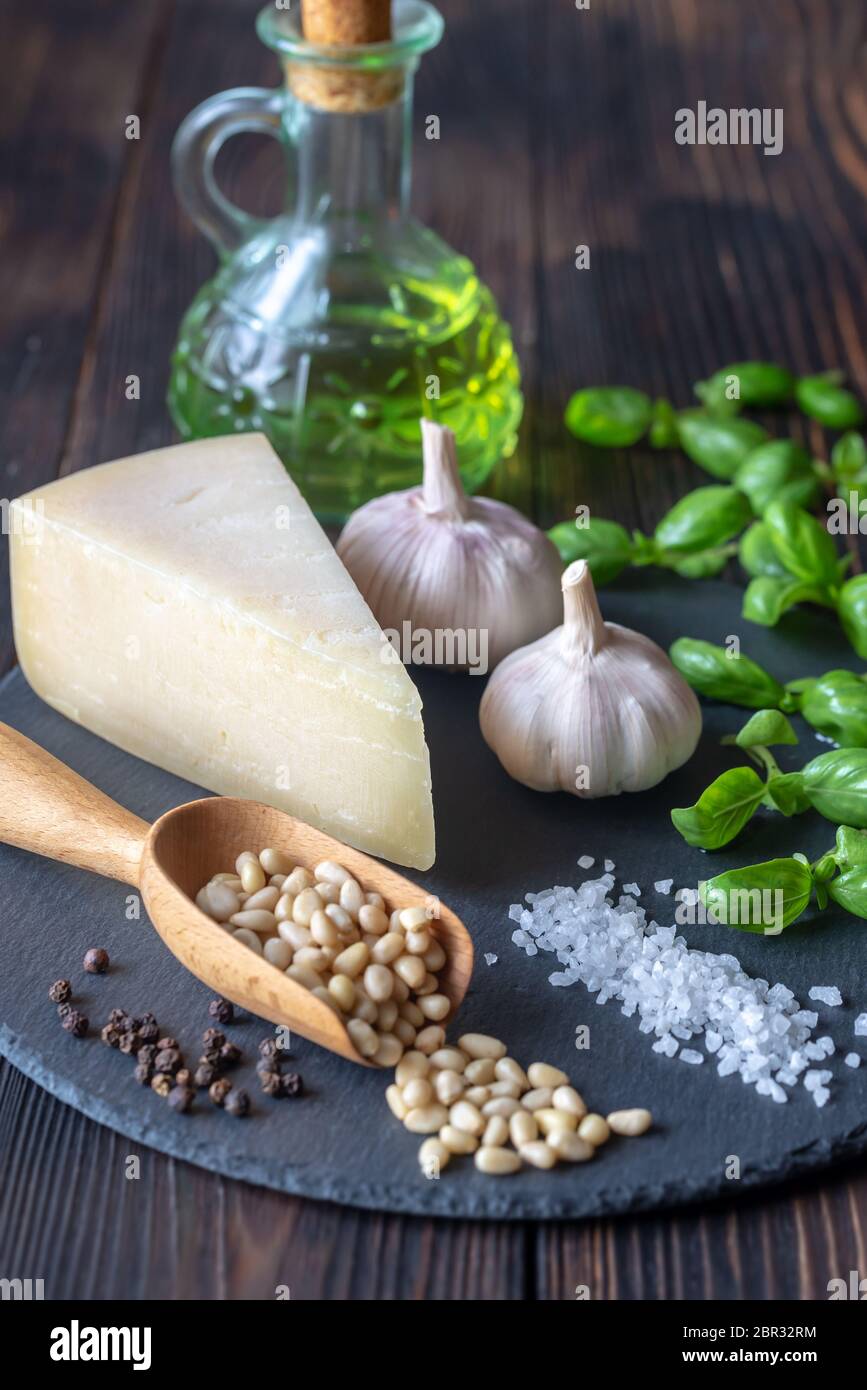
[[802, 543], [756, 385], [852, 612], [824, 870], [721, 675], [849, 890], [605, 545], [767, 599], [849, 458], [722, 810], [757, 554], [850, 849], [787, 793], [824, 399], [836, 783], [779, 468], [663, 429], [612, 416], [766, 727], [705, 517], [717, 446], [836, 705], [704, 564], [763, 898]]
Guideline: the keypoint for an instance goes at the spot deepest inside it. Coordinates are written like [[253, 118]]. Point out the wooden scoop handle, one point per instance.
[[47, 808]]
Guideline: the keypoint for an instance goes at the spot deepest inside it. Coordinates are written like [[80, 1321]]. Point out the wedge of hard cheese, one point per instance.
[[186, 605]]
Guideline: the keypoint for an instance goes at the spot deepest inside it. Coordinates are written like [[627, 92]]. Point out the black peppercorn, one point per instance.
[[168, 1060], [117, 1016], [161, 1083], [148, 1017], [148, 1032], [180, 1098], [146, 1055], [230, 1054], [60, 991], [212, 1037], [129, 1043], [184, 1077], [291, 1085], [219, 1090], [270, 1081], [163, 1044], [211, 1058], [143, 1073], [222, 1010], [64, 1009], [268, 1065], [268, 1048], [205, 1074], [111, 1035], [237, 1103], [76, 1023], [96, 961]]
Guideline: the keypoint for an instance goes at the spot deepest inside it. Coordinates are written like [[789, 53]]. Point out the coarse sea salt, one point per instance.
[[490, 958], [676, 993], [632, 889], [852, 1059], [827, 994], [663, 886], [586, 861], [861, 1026]]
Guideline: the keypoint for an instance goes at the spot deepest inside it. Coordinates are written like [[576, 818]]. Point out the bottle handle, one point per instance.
[[198, 141]]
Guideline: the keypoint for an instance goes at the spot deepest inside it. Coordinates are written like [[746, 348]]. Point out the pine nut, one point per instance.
[[389, 1052], [411, 918], [466, 1117], [481, 1072], [252, 876], [501, 1105], [352, 961], [430, 986], [320, 992], [449, 1086], [552, 1121], [496, 1132], [411, 1065], [411, 970], [278, 952], [373, 920], [342, 990], [388, 948], [375, 900], [365, 1008], [351, 897], [329, 893], [266, 898], [274, 861], [507, 1069], [594, 1128], [506, 1088], [435, 1007], [386, 1016], [536, 1099], [249, 938], [567, 1098], [412, 1013], [448, 1059], [307, 902], [540, 1154], [231, 881], [323, 930], [404, 1031], [396, 1103], [276, 880], [243, 857], [477, 1095], [541, 1074], [342, 920], [630, 1122], [295, 935], [378, 983], [303, 975], [219, 901], [283, 910], [435, 958], [312, 956], [481, 1045], [330, 872], [496, 1161], [427, 1119], [363, 1037], [417, 1093], [457, 1141], [418, 942], [394, 921], [523, 1128], [433, 1156], [256, 920], [297, 881], [571, 1147], [400, 992], [429, 1039]]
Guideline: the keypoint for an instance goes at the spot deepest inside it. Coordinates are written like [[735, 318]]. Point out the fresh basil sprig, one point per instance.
[[826, 400], [756, 385]]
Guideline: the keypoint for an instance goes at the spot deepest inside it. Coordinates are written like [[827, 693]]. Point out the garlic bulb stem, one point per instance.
[[583, 625], [442, 491]]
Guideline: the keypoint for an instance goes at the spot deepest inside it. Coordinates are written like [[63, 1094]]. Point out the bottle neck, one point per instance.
[[353, 169]]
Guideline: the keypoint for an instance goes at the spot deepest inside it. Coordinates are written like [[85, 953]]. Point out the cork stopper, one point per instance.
[[345, 24]]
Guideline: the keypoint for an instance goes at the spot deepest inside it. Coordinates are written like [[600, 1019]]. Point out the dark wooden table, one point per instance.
[[557, 130]]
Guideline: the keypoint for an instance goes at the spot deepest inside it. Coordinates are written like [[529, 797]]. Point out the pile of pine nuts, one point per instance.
[[473, 1099], [376, 968]]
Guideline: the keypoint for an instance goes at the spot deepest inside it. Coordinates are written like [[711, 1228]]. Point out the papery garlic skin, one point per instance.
[[592, 708], [447, 563]]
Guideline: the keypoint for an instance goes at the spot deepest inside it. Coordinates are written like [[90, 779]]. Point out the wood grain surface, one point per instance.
[[556, 131]]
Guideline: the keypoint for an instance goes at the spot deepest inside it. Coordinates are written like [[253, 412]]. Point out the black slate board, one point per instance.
[[496, 841]]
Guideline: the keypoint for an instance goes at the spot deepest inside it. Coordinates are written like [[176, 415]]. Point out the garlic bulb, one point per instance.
[[462, 581], [593, 708]]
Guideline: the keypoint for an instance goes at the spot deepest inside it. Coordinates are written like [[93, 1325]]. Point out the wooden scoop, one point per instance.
[[47, 808]]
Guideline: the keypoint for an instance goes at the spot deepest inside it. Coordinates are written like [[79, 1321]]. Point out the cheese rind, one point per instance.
[[186, 605]]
